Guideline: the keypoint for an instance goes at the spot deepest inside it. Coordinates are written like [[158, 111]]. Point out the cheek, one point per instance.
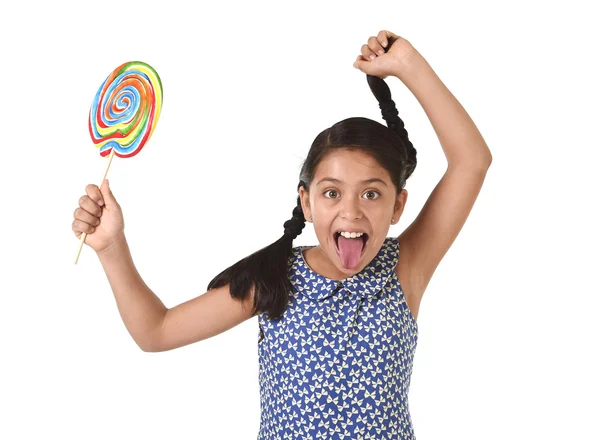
[[322, 212], [323, 230]]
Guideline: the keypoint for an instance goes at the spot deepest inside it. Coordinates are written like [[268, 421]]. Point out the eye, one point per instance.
[[328, 192], [373, 192], [376, 194]]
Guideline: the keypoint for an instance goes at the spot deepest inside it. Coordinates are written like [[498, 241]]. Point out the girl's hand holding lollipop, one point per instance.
[[100, 216], [123, 116]]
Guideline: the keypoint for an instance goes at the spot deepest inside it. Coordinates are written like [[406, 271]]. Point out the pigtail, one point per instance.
[[389, 112], [266, 270]]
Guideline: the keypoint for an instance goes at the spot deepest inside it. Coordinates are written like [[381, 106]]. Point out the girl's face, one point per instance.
[[350, 192]]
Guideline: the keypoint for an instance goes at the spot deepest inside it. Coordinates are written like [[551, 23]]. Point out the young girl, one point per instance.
[[337, 322]]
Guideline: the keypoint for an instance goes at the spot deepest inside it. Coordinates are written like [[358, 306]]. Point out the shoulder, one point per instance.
[[390, 250], [295, 255]]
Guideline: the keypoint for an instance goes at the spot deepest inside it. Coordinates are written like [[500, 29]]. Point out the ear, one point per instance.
[[305, 201], [400, 204]]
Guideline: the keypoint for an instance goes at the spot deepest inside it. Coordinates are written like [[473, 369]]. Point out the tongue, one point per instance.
[[350, 249]]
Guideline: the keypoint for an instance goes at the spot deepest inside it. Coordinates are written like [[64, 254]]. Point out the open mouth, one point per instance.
[[364, 237]]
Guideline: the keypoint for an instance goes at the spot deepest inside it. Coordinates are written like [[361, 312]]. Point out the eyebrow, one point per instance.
[[331, 179]]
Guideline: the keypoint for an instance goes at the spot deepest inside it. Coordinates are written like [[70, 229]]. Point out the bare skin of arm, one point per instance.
[[153, 326], [426, 241], [429, 237]]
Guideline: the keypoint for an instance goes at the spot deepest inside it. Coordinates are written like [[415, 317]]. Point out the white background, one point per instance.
[[508, 344]]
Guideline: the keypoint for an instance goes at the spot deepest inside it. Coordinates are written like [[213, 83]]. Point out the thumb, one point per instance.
[[107, 195], [364, 66]]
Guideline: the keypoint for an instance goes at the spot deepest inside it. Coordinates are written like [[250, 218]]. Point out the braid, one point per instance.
[[389, 112], [265, 272], [293, 227]]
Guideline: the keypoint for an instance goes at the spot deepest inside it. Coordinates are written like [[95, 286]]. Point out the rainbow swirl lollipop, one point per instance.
[[125, 109], [124, 114]]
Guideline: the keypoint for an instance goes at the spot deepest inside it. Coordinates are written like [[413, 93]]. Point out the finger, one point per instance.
[[79, 226], [375, 46], [90, 206], [361, 64], [383, 38], [94, 192], [107, 195], [84, 216], [367, 53], [386, 38]]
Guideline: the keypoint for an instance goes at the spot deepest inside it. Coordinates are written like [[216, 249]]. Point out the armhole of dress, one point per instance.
[[261, 332], [396, 250], [395, 243]]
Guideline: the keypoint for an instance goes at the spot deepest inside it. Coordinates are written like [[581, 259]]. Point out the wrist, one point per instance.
[[410, 64], [116, 247]]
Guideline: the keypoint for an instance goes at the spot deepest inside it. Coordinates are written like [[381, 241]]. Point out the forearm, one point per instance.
[[141, 310], [460, 139]]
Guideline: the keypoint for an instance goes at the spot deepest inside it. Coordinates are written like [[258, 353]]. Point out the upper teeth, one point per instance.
[[350, 234]]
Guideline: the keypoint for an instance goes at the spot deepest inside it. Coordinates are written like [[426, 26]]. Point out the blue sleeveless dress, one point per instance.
[[338, 363]]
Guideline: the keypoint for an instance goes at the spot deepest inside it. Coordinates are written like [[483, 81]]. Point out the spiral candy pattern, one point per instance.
[[125, 109]]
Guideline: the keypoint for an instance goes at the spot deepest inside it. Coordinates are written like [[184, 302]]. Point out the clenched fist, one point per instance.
[[100, 217], [385, 55]]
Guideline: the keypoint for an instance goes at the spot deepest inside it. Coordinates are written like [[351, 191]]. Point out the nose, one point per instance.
[[350, 209]]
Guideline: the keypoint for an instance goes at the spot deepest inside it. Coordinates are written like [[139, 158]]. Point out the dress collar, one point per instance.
[[366, 283]]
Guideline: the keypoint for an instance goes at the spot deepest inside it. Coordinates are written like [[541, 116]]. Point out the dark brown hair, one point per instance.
[[266, 270]]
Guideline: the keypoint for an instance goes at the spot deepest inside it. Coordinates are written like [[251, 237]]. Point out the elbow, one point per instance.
[[149, 348], [488, 157], [146, 348], [150, 344], [152, 341], [483, 160], [486, 162]]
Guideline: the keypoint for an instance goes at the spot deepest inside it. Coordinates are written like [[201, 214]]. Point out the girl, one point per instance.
[[337, 321]]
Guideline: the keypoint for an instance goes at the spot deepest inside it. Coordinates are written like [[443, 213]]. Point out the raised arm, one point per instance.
[[156, 328], [431, 234], [428, 238]]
